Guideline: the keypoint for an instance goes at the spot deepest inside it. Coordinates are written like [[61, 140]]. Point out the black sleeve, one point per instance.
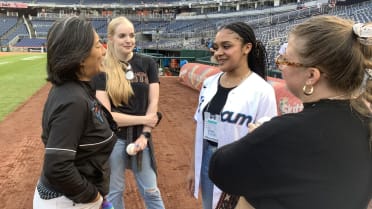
[[253, 166], [153, 71], [99, 82], [274, 158], [234, 168], [66, 126]]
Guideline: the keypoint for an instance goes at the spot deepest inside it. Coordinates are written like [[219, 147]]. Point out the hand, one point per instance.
[[141, 143], [370, 205], [253, 126], [243, 204], [151, 120], [190, 182]]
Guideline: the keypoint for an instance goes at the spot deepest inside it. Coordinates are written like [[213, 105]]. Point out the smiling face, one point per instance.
[[92, 65], [123, 40], [229, 51]]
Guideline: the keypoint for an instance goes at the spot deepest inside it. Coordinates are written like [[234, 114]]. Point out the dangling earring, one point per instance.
[[308, 89]]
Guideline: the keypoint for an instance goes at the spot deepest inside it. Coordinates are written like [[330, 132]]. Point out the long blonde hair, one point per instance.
[[118, 87]]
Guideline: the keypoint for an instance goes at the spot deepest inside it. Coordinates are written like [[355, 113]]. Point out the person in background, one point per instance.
[[282, 49], [75, 127], [129, 89], [228, 102], [183, 62], [320, 157]]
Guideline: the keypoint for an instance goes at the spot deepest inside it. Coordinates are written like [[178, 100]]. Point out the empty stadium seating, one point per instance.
[[31, 42], [270, 26]]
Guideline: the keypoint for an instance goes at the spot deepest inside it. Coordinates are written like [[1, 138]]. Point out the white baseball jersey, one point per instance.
[[250, 101]]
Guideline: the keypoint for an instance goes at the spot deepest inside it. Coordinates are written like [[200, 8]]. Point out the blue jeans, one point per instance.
[[205, 183], [146, 178]]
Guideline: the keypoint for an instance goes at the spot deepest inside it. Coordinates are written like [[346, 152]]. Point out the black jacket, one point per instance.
[[78, 142]]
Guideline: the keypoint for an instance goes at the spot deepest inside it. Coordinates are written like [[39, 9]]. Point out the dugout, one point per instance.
[[4, 49], [177, 55], [170, 60]]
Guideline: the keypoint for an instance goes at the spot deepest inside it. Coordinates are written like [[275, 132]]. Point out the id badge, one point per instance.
[[211, 122]]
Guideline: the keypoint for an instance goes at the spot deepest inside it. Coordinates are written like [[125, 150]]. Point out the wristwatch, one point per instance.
[[146, 134]]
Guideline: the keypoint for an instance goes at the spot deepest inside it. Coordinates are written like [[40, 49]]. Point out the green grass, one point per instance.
[[20, 77]]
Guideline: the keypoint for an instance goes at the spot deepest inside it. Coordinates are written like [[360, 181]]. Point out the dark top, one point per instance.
[[146, 72], [218, 101], [78, 142], [318, 158]]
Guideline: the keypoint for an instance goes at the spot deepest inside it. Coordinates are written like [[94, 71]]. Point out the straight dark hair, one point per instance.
[[69, 42], [257, 60]]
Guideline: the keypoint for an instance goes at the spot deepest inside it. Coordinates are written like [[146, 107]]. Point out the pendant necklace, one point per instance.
[[129, 75]]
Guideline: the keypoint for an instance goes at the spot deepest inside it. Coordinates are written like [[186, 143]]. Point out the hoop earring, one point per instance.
[[308, 89]]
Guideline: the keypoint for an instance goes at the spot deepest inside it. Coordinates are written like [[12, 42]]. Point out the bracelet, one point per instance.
[[146, 134]]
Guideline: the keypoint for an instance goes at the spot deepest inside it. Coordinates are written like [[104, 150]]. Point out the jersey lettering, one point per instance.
[[140, 77], [201, 102], [236, 118]]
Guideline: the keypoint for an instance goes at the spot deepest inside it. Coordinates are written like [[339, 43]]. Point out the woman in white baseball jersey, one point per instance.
[[229, 101]]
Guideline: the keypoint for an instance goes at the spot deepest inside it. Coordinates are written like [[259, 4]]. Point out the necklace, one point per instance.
[[229, 82], [129, 75], [342, 96]]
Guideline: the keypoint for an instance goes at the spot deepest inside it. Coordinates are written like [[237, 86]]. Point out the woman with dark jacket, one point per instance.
[[75, 127]]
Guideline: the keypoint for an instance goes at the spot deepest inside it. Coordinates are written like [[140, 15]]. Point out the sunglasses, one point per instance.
[[280, 60]]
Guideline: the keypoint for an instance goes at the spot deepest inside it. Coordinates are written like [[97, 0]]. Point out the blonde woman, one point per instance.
[[129, 88]]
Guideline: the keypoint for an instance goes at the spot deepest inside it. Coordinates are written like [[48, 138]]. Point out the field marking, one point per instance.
[[3, 63], [33, 57]]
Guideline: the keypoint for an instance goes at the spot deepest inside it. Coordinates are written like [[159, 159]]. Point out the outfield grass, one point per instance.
[[20, 77]]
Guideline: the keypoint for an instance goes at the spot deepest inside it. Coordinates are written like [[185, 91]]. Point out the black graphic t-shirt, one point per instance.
[[145, 72]]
